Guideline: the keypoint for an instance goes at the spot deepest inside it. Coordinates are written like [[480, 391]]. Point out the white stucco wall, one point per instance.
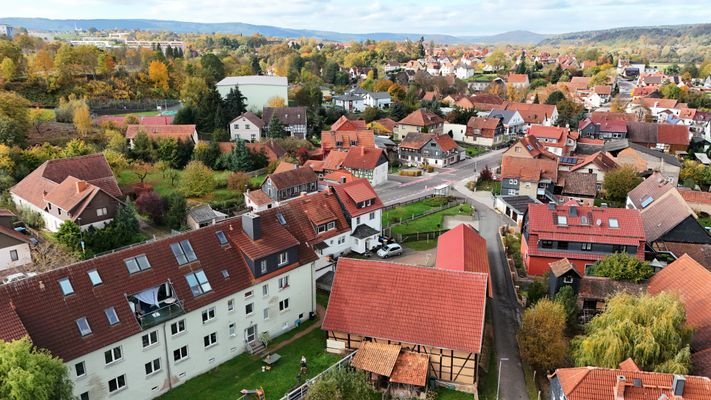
[[238, 130], [24, 256]]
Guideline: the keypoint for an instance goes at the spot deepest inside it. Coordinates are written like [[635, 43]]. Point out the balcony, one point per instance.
[[155, 305]]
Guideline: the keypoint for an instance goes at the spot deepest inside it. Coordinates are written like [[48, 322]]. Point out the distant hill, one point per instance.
[[654, 34], [64, 25]]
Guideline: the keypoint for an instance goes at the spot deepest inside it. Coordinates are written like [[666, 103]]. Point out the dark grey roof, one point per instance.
[[616, 145], [380, 95], [668, 158], [347, 97], [519, 203], [286, 115], [203, 213], [384, 142], [364, 231], [642, 132]]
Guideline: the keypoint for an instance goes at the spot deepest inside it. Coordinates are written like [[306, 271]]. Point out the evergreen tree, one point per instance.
[[254, 63], [205, 116], [535, 99], [276, 129], [240, 159], [183, 154], [177, 211], [421, 47], [556, 74], [169, 52], [186, 115], [234, 104], [398, 111], [142, 147]]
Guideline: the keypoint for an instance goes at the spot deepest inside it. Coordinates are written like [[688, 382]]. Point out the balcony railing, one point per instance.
[[160, 315]]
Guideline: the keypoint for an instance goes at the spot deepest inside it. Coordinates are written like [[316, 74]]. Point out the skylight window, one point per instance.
[[183, 252], [562, 220], [221, 238], [198, 282], [280, 218], [95, 277], [111, 316], [66, 286], [613, 222], [83, 325], [646, 200], [137, 264]]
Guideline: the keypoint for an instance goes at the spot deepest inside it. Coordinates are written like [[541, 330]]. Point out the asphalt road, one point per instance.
[[402, 188]]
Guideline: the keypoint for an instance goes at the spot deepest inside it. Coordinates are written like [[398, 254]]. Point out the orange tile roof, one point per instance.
[[517, 78], [446, 142], [411, 369], [357, 189], [333, 160], [376, 357], [590, 383], [340, 176], [463, 249], [388, 301], [692, 282], [284, 166], [258, 197], [629, 365], [71, 195], [421, 118], [331, 139], [365, 158], [549, 132], [529, 169], [179, 132]]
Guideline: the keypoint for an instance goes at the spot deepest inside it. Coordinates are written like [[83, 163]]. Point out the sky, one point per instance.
[[455, 17]]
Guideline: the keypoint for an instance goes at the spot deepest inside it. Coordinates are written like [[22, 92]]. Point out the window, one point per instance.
[[137, 264], [83, 325], [225, 274], [100, 212], [111, 316], [66, 286], [177, 327], [246, 126], [198, 282], [331, 225], [266, 313], [221, 238], [517, 149], [210, 339], [619, 248], [112, 355], [263, 266], [208, 315], [546, 244], [230, 305], [232, 329], [568, 279], [149, 339], [180, 354], [80, 369], [152, 366], [586, 246], [372, 216], [357, 220], [283, 258], [284, 305], [236, 126], [513, 181], [117, 383], [613, 222], [84, 396], [562, 220], [249, 308], [94, 277], [248, 294], [13, 255], [563, 245], [321, 229], [284, 282], [341, 240], [265, 290], [183, 252]]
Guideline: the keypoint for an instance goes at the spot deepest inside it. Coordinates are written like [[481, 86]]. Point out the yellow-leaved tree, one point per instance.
[[158, 74]]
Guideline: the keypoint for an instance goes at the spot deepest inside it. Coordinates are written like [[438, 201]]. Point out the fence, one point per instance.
[[429, 235], [256, 172], [404, 203], [300, 392]]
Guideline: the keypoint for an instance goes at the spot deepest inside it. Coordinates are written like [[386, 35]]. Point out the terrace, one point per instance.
[[155, 305]]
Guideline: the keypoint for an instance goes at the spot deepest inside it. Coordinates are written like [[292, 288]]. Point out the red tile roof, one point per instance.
[[365, 158], [421, 118], [532, 113], [350, 193], [340, 176], [11, 327], [344, 124], [692, 282], [696, 196], [542, 223], [411, 369], [387, 123], [258, 197], [49, 316], [673, 134], [603, 89], [271, 149], [590, 383], [701, 362], [284, 166], [603, 161], [599, 117], [333, 160], [487, 126], [463, 249], [376, 357], [517, 78], [549, 132], [293, 177], [72, 195], [535, 148], [415, 140], [157, 120], [445, 142], [529, 169], [389, 301], [342, 139], [178, 132], [49, 176]]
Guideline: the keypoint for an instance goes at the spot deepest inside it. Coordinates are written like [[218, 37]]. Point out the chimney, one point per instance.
[[81, 186], [252, 225], [678, 385], [362, 151], [620, 387]]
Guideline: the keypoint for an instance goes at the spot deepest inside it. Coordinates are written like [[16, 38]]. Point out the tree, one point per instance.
[[197, 179], [239, 159], [276, 102], [117, 161], [569, 113], [622, 267], [158, 74], [498, 60], [29, 373], [566, 298], [207, 153], [421, 47], [276, 129], [14, 119], [42, 62], [39, 116], [69, 234], [542, 340], [150, 203], [238, 181], [176, 212], [7, 69], [650, 329], [192, 90], [536, 291], [142, 147], [341, 384], [82, 120], [555, 97], [372, 113], [186, 115], [76, 147], [234, 104], [212, 68], [210, 106], [619, 182], [398, 111]]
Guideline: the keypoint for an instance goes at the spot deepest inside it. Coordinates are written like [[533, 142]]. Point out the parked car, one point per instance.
[[392, 249], [18, 277]]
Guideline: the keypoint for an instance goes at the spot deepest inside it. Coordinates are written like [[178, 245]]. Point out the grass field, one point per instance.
[[245, 371], [431, 222], [489, 186], [400, 213], [474, 150], [446, 394], [421, 245], [142, 113]]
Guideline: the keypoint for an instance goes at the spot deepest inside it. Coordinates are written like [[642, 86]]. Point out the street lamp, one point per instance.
[[498, 381]]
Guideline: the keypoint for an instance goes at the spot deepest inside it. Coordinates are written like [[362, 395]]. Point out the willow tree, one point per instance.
[[651, 330]]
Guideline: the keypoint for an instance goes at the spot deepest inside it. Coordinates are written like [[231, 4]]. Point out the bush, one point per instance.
[[32, 218], [429, 168], [437, 201], [238, 181], [410, 172]]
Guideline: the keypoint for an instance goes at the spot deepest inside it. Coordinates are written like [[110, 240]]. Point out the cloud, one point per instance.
[[456, 17]]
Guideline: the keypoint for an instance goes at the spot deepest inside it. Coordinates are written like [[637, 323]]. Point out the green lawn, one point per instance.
[[256, 181], [473, 150], [705, 220], [431, 222], [164, 187], [245, 372], [421, 245], [400, 213], [489, 186], [446, 394]]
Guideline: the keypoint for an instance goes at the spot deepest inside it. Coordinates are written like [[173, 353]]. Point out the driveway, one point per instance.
[[506, 311]]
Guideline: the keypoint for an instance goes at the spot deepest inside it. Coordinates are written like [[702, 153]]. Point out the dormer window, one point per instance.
[[137, 264], [283, 258], [183, 252]]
